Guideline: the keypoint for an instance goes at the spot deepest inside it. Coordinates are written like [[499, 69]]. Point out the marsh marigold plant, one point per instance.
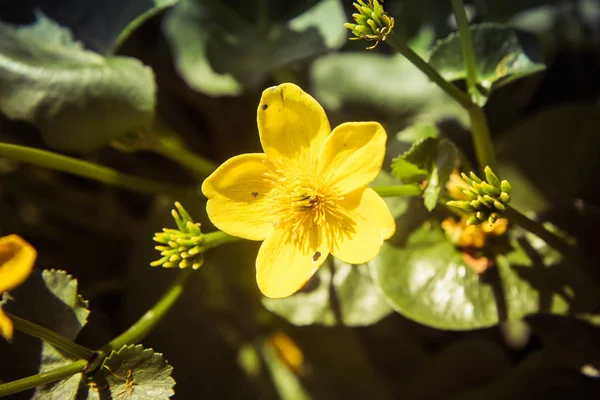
[[306, 196]]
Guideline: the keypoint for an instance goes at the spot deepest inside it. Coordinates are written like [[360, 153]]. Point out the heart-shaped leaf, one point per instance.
[[78, 99], [502, 55], [428, 280], [218, 52]]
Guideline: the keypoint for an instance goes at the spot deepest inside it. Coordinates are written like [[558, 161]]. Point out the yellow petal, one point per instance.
[[353, 154], [291, 124], [238, 197], [17, 258], [6, 326], [372, 224], [284, 263]]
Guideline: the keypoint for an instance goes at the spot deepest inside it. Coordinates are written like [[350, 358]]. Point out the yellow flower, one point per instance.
[[306, 196], [17, 258]]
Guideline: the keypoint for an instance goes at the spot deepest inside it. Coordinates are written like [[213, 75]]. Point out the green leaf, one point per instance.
[[50, 298], [65, 389], [428, 281], [502, 55], [138, 374], [218, 52], [78, 99], [348, 298], [431, 159]]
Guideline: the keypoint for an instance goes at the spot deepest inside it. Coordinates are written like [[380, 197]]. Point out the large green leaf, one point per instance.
[[99, 25], [218, 52], [428, 280], [78, 99], [502, 55], [431, 159]]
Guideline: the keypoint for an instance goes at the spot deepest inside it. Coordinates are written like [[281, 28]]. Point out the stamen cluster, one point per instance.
[[183, 247]]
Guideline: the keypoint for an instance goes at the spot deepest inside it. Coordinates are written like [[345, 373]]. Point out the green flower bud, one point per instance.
[[491, 178], [481, 215], [473, 221], [505, 187], [469, 194], [499, 206], [463, 205], [504, 197], [466, 178], [487, 200], [475, 177], [476, 204], [489, 189], [492, 219]]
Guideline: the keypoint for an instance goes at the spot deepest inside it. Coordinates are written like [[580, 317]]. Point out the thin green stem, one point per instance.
[[466, 44], [172, 148], [51, 337], [551, 239], [152, 317], [136, 23], [217, 238], [398, 44], [482, 139], [398, 191], [42, 379], [62, 163], [140, 329]]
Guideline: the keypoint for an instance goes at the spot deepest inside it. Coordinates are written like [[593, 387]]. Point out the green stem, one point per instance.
[[551, 239], [58, 162], [482, 139], [152, 317], [466, 44], [136, 23], [217, 238], [172, 148], [42, 379], [51, 337], [398, 44], [398, 191]]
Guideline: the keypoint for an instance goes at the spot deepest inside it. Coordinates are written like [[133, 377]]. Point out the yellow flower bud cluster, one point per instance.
[[183, 247], [486, 199], [372, 22]]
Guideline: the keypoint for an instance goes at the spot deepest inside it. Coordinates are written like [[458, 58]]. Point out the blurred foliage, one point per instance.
[[200, 66]]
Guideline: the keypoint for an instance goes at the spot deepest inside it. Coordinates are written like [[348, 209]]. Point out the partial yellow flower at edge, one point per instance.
[[17, 258], [306, 196]]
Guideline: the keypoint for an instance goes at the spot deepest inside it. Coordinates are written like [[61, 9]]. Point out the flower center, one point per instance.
[[301, 198]]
